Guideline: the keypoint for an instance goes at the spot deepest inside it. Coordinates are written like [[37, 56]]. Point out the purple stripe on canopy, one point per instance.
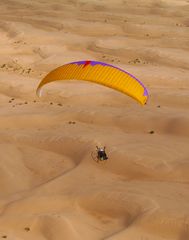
[[93, 63]]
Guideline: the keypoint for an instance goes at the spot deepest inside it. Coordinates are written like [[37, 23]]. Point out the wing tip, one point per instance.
[[39, 92]]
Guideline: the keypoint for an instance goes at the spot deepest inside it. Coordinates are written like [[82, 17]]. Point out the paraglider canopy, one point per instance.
[[100, 73]]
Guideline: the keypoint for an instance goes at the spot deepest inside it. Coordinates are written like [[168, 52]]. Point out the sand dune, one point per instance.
[[51, 187]]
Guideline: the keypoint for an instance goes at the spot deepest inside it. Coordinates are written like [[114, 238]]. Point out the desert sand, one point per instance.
[[50, 187]]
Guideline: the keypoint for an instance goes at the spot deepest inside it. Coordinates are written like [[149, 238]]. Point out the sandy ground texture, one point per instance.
[[50, 187]]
